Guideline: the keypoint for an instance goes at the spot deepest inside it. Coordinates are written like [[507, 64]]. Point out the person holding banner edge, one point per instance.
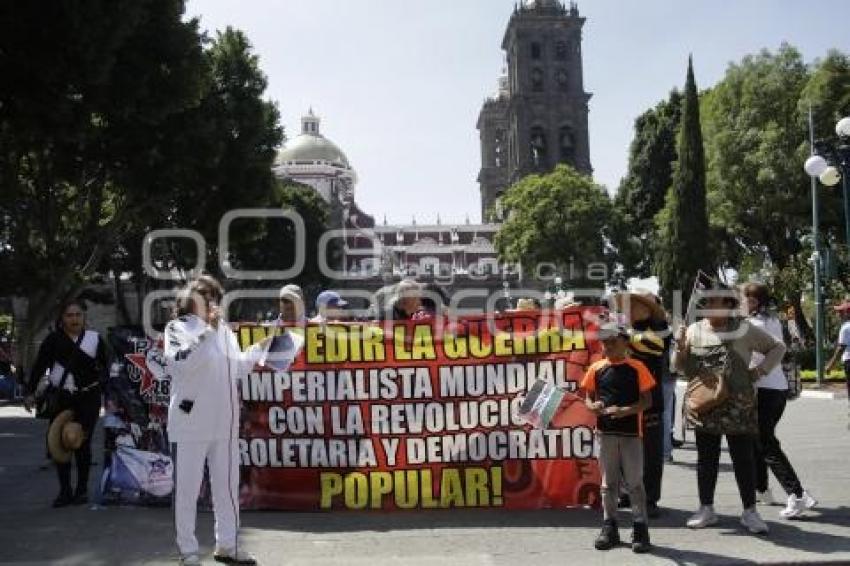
[[205, 361], [649, 343]]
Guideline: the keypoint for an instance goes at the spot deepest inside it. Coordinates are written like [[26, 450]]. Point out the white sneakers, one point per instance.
[[703, 518], [190, 560], [766, 497], [753, 522], [810, 501], [706, 517], [798, 505]]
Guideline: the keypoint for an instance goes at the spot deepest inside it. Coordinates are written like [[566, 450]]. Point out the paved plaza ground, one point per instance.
[[814, 432]]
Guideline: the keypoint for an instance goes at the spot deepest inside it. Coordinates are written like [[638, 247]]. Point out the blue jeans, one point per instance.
[[669, 418]]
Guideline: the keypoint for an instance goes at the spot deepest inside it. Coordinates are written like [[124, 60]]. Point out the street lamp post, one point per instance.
[[815, 260], [833, 165], [842, 153], [817, 167]]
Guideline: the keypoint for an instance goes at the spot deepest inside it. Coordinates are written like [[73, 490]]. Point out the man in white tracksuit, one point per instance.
[[205, 364]]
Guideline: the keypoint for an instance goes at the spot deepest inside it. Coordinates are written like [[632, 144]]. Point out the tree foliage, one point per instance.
[[234, 133], [643, 190], [89, 106], [684, 246], [561, 218], [756, 145], [757, 139], [116, 118]]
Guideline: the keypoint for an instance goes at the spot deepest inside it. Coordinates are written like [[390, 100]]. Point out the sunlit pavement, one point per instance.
[[814, 433]]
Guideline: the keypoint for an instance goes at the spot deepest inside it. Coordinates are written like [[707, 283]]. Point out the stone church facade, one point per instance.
[[539, 116]]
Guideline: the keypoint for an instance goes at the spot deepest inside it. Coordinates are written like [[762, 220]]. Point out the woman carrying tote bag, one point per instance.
[[714, 354]]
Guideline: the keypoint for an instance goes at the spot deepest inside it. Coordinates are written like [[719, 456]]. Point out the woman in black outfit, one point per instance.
[[772, 390], [77, 359]]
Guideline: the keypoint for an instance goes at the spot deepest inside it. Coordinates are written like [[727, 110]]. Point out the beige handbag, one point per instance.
[[709, 389], [706, 392]]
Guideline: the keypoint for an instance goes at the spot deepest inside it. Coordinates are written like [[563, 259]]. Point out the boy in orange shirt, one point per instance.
[[618, 391]]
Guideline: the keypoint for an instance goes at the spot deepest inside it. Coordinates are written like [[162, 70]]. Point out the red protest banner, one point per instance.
[[421, 415]]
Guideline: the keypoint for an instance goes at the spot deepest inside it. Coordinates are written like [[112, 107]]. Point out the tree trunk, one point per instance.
[[121, 299]]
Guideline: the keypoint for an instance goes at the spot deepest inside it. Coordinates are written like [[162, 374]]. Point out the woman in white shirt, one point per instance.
[[772, 391]]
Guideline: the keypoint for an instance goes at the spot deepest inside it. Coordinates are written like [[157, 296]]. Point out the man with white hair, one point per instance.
[[291, 305], [407, 300]]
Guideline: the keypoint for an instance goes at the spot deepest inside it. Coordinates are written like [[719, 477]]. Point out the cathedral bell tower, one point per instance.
[[539, 117]]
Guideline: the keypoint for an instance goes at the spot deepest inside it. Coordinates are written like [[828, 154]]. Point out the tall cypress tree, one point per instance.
[[683, 225], [643, 191]]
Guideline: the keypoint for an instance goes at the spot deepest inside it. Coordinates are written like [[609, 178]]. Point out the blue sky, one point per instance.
[[399, 83]]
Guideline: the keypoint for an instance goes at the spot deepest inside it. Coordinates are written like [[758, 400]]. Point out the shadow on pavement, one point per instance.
[[417, 520]]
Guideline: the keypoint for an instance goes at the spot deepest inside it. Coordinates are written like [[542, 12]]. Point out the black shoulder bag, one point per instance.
[[53, 398]]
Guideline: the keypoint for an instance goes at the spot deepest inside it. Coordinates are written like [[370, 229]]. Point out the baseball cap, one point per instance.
[[330, 299], [608, 330]]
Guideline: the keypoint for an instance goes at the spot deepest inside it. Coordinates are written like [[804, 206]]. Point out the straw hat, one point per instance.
[[525, 304], [64, 437], [567, 302], [625, 299]]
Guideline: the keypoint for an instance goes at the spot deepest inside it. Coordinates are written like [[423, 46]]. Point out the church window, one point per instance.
[[561, 51], [537, 146], [561, 77], [566, 145], [536, 50], [537, 80]]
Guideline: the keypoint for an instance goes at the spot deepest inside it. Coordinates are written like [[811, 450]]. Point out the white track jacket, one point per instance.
[[206, 365]]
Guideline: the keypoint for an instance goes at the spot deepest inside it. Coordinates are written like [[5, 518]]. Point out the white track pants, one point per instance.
[[222, 459]]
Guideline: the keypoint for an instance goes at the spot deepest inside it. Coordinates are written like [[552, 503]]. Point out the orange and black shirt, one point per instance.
[[618, 384]]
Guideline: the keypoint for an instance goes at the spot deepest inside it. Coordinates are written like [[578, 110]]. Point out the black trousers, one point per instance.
[[653, 457], [86, 407], [771, 405], [847, 376], [741, 449]]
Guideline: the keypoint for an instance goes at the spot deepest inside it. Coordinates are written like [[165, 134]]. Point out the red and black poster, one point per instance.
[[421, 415]]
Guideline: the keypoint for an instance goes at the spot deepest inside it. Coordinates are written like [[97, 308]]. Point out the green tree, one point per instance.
[[755, 123], [643, 190], [227, 148], [272, 243], [828, 92], [232, 147], [684, 246], [755, 147], [89, 107], [562, 218]]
